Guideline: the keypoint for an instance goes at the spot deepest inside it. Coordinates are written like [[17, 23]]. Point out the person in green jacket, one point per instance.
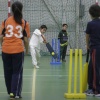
[[63, 36]]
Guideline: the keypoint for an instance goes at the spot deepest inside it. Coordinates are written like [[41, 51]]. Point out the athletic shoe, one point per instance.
[[18, 97], [12, 97], [89, 92], [97, 95], [37, 67]]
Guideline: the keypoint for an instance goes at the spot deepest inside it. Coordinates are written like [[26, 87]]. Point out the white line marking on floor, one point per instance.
[[33, 84]]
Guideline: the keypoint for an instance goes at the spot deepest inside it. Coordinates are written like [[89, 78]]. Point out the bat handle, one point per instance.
[[44, 39]]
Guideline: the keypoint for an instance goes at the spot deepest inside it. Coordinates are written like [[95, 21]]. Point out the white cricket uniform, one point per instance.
[[35, 41]]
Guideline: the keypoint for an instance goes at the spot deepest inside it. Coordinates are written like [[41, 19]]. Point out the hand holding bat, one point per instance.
[[50, 49]]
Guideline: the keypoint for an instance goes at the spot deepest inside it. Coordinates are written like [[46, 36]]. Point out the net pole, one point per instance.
[[9, 8]]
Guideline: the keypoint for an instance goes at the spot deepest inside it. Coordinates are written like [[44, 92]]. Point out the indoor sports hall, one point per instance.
[[54, 80]]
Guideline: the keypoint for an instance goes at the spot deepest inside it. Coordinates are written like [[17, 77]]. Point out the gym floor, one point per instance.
[[47, 83]]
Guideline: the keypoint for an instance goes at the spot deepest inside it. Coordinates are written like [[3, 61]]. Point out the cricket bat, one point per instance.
[[85, 73], [50, 49]]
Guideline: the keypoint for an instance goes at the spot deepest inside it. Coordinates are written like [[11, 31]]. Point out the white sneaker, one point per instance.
[[36, 66], [90, 93], [97, 95]]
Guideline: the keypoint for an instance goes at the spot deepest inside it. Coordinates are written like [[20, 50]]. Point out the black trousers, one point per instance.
[[94, 69], [63, 50], [13, 71]]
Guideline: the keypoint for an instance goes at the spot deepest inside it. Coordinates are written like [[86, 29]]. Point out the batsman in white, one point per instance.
[[35, 41]]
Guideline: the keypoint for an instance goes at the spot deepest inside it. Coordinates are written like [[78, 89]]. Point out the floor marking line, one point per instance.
[[33, 84]]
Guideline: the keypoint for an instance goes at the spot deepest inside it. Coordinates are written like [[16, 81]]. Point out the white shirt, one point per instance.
[[36, 39]]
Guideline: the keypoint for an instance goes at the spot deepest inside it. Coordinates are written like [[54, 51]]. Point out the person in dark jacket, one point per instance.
[[63, 36]]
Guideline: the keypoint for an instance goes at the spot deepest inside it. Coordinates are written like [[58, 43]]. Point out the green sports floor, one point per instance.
[[47, 83]]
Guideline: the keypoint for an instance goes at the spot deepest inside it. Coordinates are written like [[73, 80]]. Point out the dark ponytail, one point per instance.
[[17, 11]]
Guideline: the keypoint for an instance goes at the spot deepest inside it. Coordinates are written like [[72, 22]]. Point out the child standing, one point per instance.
[[93, 44], [63, 36], [34, 44], [13, 31]]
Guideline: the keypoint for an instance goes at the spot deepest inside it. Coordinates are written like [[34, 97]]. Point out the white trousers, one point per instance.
[[35, 54]]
